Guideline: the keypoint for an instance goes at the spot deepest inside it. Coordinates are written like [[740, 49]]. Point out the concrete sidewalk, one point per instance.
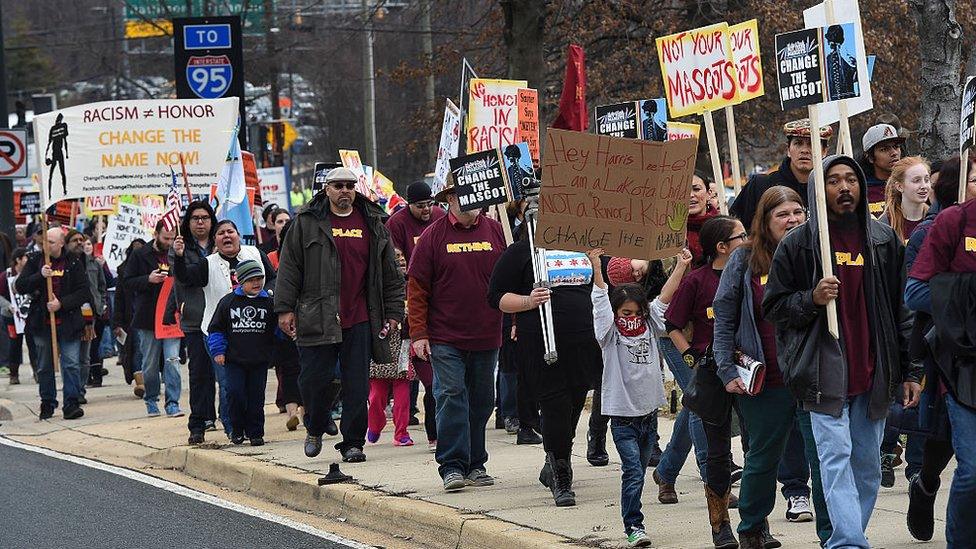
[[397, 490]]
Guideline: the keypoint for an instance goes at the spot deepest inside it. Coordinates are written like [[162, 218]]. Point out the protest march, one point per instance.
[[579, 280]]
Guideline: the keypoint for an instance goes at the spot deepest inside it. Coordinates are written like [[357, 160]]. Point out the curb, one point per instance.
[[424, 522]]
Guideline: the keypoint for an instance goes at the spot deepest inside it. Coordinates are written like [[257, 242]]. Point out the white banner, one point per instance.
[[122, 229], [127, 147], [448, 148], [845, 11], [21, 303], [274, 186]]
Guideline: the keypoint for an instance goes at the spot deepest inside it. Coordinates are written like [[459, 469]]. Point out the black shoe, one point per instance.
[[195, 438], [921, 509], [47, 412], [562, 483], [82, 400], [414, 421], [257, 441], [313, 445], [655, 456], [527, 435], [596, 449], [331, 428], [545, 475], [237, 439], [768, 541], [353, 455], [499, 420], [724, 538], [104, 373], [95, 384], [888, 470], [73, 412], [736, 473]]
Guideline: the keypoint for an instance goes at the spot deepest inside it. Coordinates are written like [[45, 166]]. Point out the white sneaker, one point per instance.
[[638, 538], [798, 509]]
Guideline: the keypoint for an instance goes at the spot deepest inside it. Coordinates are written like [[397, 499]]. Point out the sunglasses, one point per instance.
[[423, 205], [339, 185]]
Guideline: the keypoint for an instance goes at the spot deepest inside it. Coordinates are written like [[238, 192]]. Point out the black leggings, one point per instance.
[[718, 463]]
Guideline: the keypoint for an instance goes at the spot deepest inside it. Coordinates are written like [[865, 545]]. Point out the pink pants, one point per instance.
[[379, 391]]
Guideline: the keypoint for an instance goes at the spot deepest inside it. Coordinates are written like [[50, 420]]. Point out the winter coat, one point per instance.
[[72, 294]]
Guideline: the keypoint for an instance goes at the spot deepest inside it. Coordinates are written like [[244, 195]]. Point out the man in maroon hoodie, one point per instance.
[[453, 326]]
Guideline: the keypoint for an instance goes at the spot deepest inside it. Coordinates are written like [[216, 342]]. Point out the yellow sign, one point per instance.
[[148, 28], [748, 65], [698, 69], [682, 130], [290, 135]]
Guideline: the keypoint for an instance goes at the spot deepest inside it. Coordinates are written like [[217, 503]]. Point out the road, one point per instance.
[[50, 502]]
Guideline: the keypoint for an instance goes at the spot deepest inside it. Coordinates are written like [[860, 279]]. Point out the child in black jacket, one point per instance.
[[241, 338]]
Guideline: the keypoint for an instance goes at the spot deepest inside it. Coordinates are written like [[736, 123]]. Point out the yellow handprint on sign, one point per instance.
[[678, 219]]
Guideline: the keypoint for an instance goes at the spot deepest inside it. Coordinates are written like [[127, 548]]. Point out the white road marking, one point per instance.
[[187, 492]]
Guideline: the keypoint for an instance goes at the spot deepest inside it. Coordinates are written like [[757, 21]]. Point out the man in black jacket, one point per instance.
[[847, 383], [70, 288], [793, 172]]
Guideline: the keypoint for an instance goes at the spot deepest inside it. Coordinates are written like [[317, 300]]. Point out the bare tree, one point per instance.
[[940, 50], [525, 26]]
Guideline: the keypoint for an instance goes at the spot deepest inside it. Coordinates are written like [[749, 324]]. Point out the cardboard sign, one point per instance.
[[528, 121], [480, 180], [653, 119], [351, 160], [698, 70], [681, 130], [518, 167], [618, 120], [748, 64], [844, 11], [816, 66], [448, 147], [122, 229], [493, 113], [29, 204], [967, 119], [127, 147], [627, 196]]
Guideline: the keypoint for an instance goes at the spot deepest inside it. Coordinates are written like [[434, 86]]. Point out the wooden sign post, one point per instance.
[[733, 150], [823, 235], [55, 353], [723, 206]]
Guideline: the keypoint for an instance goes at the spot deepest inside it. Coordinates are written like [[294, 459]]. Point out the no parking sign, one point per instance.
[[13, 154]]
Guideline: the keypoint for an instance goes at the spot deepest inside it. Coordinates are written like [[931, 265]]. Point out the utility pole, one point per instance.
[[369, 87], [6, 185], [429, 59], [277, 157]]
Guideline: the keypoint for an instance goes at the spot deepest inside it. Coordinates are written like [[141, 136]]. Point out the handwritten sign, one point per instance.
[[528, 120], [627, 196], [480, 180], [448, 147], [101, 205], [744, 38], [698, 70], [682, 130], [122, 229], [493, 113]]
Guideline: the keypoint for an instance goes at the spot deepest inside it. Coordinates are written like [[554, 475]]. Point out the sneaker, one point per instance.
[[921, 509], [479, 477], [454, 481], [432, 446], [736, 473], [527, 435], [173, 410], [73, 412], [405, 441], [237, 438], [195, 438], [257, 441], [638, 538], [372, 436], [313, 445], [512, 425], [292, 423], [353, 455], [209, 426], [888, 470], [798, 509], [152, 409], [47, 412]]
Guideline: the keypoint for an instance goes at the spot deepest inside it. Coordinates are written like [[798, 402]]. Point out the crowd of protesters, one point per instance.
[[354, 307]]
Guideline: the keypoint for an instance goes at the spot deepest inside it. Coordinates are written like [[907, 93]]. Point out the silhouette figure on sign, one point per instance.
[[840, 67], [57, 145]]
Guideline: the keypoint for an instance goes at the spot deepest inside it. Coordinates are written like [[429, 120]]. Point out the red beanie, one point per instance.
[[620, 271]]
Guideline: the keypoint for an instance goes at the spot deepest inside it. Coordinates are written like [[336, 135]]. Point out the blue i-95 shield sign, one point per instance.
[[209, 76]]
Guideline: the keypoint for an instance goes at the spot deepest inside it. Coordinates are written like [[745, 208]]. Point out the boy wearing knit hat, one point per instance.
[[241, 339]]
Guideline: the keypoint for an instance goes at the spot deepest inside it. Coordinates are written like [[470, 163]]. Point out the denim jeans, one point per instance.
[[794, 469], [960, 526], [688, 428], [464, 389], [507, 386], [850, 468], [822, 515], [223, 410], [634, 439], [245, 391], [170, 348], [69, 352]]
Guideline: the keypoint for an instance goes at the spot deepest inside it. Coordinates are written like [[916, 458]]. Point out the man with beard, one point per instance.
[[406, 225], [793, 172], [339, 293], [846, 384], [217, 277], [882, 147]]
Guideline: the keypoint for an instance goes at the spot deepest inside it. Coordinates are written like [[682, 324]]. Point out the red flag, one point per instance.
[[572, 103]]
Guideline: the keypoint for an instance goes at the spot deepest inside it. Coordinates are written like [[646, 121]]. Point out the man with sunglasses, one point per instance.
[[407, 224], [339, 292]]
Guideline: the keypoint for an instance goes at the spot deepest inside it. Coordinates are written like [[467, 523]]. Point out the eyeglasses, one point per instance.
[[423, 205], [338, 185], [199, 218], [741, 235]]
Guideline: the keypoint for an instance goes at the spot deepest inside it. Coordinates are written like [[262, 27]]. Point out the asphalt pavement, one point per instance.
[[49, 502]]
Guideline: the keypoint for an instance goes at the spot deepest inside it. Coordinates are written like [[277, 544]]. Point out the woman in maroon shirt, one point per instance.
[[768, 409], [907, 195]]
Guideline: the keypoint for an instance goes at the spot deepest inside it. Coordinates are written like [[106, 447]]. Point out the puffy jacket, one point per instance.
[[308, 277], [813, 362]]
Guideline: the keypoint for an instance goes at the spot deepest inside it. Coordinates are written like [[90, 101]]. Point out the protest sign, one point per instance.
[[480, 180], [843, 11], [274, 186], [618, 120], [653, 119], [628, 196], [320, 172], [101, 205], [448, 147], [744, 38], [350, 159], [21, 304], [698, 70], [161, 329], [682, 130], [493, 113], [29, 204], [528, 120], [518, 167], [966, 134], [126, 147], [123, 228], [815, 66]]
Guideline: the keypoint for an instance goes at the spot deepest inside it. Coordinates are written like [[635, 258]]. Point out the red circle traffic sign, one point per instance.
[[10, 163]]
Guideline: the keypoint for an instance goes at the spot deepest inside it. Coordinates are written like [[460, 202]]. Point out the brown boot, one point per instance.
[[139, 389], [666, 493], [718, 517]]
